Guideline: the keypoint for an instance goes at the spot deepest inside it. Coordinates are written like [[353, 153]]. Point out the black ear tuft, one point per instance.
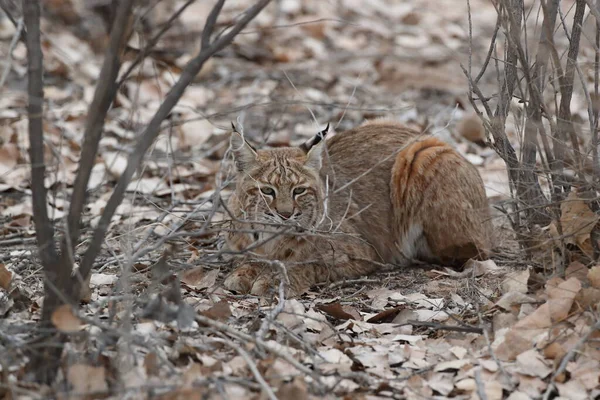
[[309, 144], [321, 135], [245, 155]]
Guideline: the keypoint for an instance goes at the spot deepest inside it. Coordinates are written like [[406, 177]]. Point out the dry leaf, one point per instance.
[[442, 383], [577, 270], [554, 351], [219, 311], [115, 163], [9, 158], [516, 282], [380, 297], [386, 315], [471, 128], [193, 277], [453, 365], [459, 352], [151, 364], [531, 363], [207, 281], [64, 320], [147, 185], [518, 395], [517, 341], [22, 221], [555, 309], [195, 132], [511, 299], [577, 221], [561, 298], [292, 314], [337, 311], [5, 277], [588, 297], [586, 371], [476, 268], [87, 379], [294, 390], [492, 390], [101, 279], [594, 276], [467, 385], [572, 390]]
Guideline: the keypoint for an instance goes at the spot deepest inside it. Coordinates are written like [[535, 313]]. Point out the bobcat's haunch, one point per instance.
[[338, 208]]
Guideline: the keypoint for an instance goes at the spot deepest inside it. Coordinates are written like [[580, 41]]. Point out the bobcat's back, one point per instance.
[[411, 195], [359, 163]]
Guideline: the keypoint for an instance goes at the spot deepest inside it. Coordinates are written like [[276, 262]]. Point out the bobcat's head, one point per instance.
[[280, 185]]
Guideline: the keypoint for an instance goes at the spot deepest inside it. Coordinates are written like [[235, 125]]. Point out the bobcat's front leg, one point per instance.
[[341, 261], [322, 261], [260, 278]]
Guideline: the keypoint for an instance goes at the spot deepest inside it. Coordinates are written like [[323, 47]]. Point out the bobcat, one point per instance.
[[340, 208]]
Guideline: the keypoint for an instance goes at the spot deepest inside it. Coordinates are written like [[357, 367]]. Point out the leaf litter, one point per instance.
[[169, 329]]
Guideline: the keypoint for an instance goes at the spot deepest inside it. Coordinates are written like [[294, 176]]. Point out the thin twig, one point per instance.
[[564, 120], [152, 42], [480, 385], [269, 319], [13, 44]]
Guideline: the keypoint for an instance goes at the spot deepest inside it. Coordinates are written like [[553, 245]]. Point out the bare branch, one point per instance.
[[103, 98], [210, 24], [594, 9], [153, 129], [515, 8], [564, 122], [595, 125], [153, 41], [13, 13], [35, 109]]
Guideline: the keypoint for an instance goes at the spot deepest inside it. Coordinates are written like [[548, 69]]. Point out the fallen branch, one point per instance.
[[452, 328]]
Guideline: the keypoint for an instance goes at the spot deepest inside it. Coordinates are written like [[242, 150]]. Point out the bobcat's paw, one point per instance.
[[242, 279], [268, 284], [258, 280]]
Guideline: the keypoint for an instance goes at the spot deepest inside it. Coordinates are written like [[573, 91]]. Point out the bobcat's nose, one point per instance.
[[285, 214]]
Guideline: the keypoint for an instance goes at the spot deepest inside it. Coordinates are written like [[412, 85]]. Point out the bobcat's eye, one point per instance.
[[267, 191], [299, 190]]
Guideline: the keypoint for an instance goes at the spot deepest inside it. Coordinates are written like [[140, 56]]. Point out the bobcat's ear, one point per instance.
[[245, 156], [314, 148], [313, 141]]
